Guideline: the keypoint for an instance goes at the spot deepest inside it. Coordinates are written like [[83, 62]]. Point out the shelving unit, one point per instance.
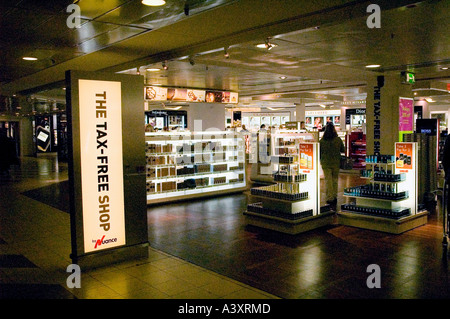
[[357, 149], [388, 202], [268, 148], [292, 205], [190, 165]]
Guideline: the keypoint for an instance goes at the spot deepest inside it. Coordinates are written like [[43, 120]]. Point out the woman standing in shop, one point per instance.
[[331, 147]]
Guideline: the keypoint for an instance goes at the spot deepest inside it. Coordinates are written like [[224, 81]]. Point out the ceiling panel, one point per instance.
[[314, 56]]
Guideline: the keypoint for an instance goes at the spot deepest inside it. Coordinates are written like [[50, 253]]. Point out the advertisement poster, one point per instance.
[[406, 116], [306, 156], [155, 93], [318, 122], [101, 156], [234, 97], [337, 121], [403, 155], [176, 94], [195, 96]]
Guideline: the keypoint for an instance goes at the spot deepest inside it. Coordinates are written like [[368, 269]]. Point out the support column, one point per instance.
[[300, 110], [382, 112]]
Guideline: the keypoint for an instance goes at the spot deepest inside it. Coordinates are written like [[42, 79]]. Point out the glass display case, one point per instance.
[[185, 165]]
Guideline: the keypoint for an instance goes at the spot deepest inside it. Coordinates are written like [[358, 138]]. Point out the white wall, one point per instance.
[[212, 115]]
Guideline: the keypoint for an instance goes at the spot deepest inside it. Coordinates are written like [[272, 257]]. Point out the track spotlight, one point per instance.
[[270, 45], [191, 61], [267, 44], [164, 65], [226, 54]]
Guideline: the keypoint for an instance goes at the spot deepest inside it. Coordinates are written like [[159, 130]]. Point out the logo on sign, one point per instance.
[[103, 241]]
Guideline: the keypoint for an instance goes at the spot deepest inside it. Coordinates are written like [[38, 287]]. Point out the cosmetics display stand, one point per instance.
[[266, 147], [186, 165], [389, 202], [292, 205]]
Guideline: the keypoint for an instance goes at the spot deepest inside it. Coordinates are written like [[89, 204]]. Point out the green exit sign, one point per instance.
[[408, 77]]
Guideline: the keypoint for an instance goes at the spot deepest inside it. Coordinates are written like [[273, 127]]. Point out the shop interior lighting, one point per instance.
[[226, 53], [164, 65], [372, 66], [177, 107], [154, 3], [283, 77], [29, 58], [429, 100], [444, 68], [153, 69], [275, 108]]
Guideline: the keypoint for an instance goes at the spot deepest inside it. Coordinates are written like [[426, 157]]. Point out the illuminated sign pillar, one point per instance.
[[106, 168], [388, 112]]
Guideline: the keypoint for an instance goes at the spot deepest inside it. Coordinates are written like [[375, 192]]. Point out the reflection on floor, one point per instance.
[[204, 249], [330, 262]]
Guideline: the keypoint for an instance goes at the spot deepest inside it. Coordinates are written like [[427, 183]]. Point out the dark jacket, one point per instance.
[[330, 152]]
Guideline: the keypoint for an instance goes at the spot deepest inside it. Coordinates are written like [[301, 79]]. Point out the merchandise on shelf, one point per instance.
[[183, 165], [280, 191], [357, 149], [382, 212], [292, 193], [385, 194]]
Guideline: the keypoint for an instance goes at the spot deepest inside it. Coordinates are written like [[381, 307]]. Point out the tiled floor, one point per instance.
[[35, 248]]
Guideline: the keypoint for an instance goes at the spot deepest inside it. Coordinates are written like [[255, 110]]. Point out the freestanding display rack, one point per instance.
[[389, 203], [292, 205], [267, 146]]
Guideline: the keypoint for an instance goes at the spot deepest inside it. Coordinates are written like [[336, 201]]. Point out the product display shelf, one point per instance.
[[291, 205], [383, 204], [185, 165], [278, 144], [357, 149]]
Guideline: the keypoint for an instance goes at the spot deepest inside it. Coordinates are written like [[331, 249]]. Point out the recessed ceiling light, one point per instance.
[[29, 58], [371, 66], [282, 77], [444, 68], [429, 100], [154, 3], [153, 69]]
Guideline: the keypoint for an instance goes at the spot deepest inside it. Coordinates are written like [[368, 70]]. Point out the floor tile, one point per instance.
[[174, 287]]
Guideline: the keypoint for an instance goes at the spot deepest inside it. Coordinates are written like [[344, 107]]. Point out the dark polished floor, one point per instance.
[[330, 262]]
